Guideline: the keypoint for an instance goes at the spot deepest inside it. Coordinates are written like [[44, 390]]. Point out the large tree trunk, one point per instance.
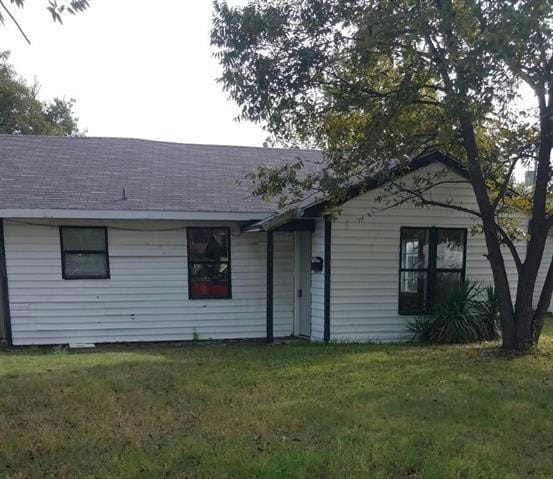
[[529, 329], [521, 325], [493, 243]]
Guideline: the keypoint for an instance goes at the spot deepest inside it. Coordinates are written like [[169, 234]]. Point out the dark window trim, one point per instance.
[[105, 252], [431, 269], [190, 262]]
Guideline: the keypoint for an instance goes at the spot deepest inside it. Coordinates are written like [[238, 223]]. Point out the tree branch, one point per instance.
[[15, 21], [504, 187], [419, 195], [507, 241]]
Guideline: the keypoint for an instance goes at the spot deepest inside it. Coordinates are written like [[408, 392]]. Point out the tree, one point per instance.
[[56, 8], [21, 112], [370, 81]]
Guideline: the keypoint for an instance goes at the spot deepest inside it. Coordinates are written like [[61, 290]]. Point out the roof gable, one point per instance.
[[394, 172], [317, 207]]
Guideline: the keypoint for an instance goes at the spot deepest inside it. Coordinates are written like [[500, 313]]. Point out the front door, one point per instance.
[[303, 289]]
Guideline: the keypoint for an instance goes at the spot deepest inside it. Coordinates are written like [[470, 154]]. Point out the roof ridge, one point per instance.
[[166, 142]]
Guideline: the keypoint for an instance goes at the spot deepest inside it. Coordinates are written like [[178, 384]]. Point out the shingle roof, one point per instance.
[[84, 173]]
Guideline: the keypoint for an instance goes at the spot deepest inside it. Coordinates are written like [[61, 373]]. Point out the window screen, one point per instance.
[[84, 252]]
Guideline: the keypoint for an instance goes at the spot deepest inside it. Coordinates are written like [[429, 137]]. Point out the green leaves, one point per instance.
[[463, 313], [55, 7], [386, 79], [21, 112], [58, 8]]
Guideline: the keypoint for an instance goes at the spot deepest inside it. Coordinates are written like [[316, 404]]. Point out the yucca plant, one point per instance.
[[462, 313]]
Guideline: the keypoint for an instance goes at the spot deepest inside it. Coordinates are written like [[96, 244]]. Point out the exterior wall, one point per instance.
[[365, 260], [317, 283], [146, 298]]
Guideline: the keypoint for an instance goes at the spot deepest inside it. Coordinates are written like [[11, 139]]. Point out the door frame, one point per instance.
[[297, 281]]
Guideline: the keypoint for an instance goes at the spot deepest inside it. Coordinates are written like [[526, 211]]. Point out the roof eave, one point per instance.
[[131, 215]]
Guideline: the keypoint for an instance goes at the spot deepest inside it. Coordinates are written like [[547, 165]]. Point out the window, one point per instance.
[[84, 252], [430, 259], [209, 263]]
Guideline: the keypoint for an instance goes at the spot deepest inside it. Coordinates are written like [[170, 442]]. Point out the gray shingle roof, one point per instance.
[[39, 172]]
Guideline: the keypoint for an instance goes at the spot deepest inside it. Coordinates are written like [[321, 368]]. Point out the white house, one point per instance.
[[112, 240]]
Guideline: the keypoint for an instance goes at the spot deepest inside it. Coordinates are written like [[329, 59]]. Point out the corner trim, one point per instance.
[[327, 259], [5, 295]]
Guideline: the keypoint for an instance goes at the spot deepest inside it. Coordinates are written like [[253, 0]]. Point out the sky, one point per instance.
[[137, 68]]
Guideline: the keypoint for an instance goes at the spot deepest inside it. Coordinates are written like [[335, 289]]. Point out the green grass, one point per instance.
[[298, 410]]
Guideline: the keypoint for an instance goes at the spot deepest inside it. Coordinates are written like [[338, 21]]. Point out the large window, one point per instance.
[[84, 252], [430, 260], [209, 263]]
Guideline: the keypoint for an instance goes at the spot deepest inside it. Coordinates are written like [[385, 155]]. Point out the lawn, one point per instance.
[[295, 410]]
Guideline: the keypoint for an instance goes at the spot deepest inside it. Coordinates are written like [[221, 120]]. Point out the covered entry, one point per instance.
[[302, 229]]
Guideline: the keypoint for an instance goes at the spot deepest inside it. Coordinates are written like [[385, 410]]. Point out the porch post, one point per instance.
[[270, 332], [327, 259]]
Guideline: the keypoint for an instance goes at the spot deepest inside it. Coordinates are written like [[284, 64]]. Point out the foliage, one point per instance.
[[56, 8], [464, 312], [23, 113], [296, 410], [375, 83]]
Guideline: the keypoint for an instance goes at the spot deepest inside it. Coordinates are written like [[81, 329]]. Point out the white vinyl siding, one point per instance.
[[317, 283], [146, 298], [365, 260]]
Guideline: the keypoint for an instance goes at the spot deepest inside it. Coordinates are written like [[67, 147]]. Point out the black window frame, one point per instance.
[[105, 252], [190, 262], [431, 270]]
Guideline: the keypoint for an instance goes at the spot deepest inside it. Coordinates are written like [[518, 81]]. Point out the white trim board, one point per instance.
[[130, 215]]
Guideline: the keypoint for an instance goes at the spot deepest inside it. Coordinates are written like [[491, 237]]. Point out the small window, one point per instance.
[[209, 263], [84, 252], [430, 259]]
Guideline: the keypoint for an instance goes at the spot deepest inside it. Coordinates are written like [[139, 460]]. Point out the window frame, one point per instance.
[[431, 270], [105, 252], [190, 262]]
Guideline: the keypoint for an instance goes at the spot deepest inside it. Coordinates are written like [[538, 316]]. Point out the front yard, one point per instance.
[[298, 410]]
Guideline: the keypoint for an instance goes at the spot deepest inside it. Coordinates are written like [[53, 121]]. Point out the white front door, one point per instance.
[[303, 282]]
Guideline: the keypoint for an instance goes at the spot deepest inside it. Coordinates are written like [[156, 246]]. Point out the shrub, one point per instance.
[[463, 313]]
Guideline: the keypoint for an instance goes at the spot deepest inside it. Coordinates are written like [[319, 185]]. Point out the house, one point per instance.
[[116, 240]]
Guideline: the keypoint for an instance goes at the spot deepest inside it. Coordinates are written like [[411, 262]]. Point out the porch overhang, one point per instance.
[[288, 221]]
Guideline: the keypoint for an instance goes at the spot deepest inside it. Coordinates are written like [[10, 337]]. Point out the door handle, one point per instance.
[[300, 293]]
